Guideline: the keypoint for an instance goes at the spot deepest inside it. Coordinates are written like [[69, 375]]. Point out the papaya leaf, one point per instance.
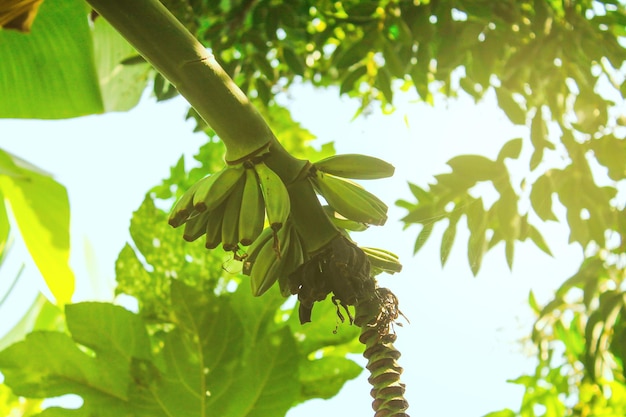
[[474, 167], [447, 239], [423, 236], [324, 377], [110, 363], [49, 364]]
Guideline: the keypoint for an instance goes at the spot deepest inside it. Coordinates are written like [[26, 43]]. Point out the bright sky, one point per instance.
[[462, 342]]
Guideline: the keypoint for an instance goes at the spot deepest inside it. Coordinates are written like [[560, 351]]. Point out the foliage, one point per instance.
[[554, 67], [41, 210], [84, 71]]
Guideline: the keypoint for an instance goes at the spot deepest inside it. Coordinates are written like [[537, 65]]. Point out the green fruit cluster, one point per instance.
[[230, 206], [249, 205]]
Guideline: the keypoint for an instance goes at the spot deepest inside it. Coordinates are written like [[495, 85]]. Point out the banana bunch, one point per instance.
[[347, 198], [268, 261], [230, 206]]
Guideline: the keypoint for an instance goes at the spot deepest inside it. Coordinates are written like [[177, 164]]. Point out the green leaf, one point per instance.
[[447, 239], [50, 73], [121, 84], [49, 364], [349, 82], [41, 209], [511, 108], [324, 377], [538, 240], [295, 62], [474, 167], [611, 152], [5, 227], [423, 236], [597, 330], [507, 412], [477, 245], [511, 149], [509, 249], [392, 62], [383, 82], [353, 54], [8, 166], [319, 334], [41, 315], [541, 197]]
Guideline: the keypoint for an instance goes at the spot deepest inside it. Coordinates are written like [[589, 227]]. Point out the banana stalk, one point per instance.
[[166, 44], [375, 317], [178, 56]]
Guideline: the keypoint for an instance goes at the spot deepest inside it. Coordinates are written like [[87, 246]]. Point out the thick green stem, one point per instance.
[[174, 52], [164, 42]]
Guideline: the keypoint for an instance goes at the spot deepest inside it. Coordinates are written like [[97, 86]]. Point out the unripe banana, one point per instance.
[[184, 206], [230, 222], [350, 199], [383, 260], [252, 214], [277, 203], [293, 258], [342, 222], [269, 262], [195, 227], [214, 226], [355, 166], [253, 250], [212, 192]]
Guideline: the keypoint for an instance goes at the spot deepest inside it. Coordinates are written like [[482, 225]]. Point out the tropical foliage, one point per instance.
[[555, 67]]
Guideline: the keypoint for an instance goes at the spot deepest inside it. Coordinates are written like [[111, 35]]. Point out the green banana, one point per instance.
[[268, 263], [214, 226], [342, 222], [184, 206], [294, 257], [254, 249], [230, 222], [355, 166], [252, 214], [277, 203], [212, 192], [383, 260], [350, 199], [195, 226]]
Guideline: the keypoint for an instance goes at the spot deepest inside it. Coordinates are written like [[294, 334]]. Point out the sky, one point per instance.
[[463, 339]]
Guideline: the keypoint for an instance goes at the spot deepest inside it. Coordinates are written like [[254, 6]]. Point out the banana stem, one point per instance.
[[374, 317], [164, 42]]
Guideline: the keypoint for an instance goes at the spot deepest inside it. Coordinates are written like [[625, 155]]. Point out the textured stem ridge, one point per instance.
[[375, 317]]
